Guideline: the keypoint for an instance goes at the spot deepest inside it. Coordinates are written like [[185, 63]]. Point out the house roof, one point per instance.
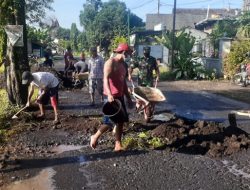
[[184, 17]]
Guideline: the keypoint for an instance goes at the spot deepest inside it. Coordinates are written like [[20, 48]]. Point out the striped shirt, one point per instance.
[[95, 66]]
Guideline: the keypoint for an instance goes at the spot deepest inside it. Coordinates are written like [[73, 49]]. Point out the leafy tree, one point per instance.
[[74, 32], [244, 25], [36, 9], [236, 57], [82, 41], [63, 33], [104, 21], [223, 28]]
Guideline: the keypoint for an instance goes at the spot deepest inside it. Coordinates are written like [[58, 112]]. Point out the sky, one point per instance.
[[68, 11]]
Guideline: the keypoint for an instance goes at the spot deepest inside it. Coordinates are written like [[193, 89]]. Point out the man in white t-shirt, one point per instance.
[[48, 89]]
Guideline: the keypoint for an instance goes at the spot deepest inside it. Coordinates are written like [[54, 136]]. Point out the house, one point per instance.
[[186, 17], [35, 48]]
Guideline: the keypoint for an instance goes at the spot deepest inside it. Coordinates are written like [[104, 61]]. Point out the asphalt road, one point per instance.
[[148, 170]]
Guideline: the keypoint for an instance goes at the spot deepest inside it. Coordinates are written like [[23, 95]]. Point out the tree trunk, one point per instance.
[[17, 59]]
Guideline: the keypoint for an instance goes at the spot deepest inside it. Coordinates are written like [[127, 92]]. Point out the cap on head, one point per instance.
[[122, 47], [26, 77], [146, 49]]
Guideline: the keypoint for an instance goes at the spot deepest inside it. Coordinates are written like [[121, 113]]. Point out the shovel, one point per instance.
[[15, 116]]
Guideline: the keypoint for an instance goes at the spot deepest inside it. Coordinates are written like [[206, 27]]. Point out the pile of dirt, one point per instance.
[[201, 137]]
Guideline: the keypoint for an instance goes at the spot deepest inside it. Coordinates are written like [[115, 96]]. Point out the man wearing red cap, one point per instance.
[[115, 87]]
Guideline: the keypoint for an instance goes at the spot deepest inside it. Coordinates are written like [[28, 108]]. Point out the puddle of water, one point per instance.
[[65, 148], [162, 117], [43, 181], [233, 168]]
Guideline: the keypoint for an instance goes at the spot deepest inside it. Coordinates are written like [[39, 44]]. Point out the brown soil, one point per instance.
[[33, 138]]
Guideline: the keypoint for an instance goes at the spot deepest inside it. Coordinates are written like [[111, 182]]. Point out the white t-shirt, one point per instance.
[[81, 64], [44, 80]]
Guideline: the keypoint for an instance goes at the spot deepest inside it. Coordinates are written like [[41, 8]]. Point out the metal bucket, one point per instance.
[[114, 111]]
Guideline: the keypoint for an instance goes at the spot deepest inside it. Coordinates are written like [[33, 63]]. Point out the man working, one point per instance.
[[146, 66], [115, 87], [95, 67], [48, 89], [68, 58]]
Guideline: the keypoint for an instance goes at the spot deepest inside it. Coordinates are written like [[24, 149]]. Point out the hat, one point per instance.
[[26, 76], [146, 48], [122, 47]]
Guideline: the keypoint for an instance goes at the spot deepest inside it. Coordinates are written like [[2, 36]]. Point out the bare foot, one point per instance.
[[56, 121], [93, 142], [118, 147], [40, 115]]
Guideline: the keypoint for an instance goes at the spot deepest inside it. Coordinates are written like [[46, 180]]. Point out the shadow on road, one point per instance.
[[26, 164]]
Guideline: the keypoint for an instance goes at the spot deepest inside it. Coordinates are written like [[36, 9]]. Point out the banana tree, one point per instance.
[[184, 68]]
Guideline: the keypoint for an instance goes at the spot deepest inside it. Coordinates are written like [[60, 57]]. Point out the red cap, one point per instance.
[[122, 47]]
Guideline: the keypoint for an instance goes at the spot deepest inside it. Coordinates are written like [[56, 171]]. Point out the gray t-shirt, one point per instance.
[[44, 80]]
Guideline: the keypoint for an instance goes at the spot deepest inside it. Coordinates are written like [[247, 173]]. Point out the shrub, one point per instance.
[[236, 56]]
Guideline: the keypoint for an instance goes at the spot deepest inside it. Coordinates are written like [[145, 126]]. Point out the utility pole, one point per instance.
[[128, 27], [158, 7], [173, 37]]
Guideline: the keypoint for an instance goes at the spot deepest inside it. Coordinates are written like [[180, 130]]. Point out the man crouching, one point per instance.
[[48, 89]]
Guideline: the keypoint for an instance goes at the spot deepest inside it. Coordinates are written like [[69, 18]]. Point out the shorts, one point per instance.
[[125, 119], [96, 84], [50, 93]]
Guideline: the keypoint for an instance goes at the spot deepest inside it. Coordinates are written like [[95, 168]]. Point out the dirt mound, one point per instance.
[[206, 138]]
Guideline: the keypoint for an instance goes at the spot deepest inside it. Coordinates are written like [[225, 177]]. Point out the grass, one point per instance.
[[1, 69]]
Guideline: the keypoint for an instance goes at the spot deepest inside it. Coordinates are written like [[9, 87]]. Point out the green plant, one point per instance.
[[183, 66], [156, 143], [236, 57]]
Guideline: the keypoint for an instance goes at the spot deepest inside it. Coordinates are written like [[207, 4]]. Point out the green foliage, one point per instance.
[[2, 69], [142, 141], [244, 26], [223, 28], [236, 56], [183, 66], [63, 33], [39, 35], [36, 10], [6, 110], [74, 32], [104, 21], [116, 41]]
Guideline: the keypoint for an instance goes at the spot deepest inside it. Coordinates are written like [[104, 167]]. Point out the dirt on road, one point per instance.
[[32, 138]]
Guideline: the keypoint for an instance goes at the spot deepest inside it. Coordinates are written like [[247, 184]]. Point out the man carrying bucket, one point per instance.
[[115, 88]]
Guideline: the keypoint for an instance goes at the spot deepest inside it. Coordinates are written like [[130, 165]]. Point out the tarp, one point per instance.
[[15, 35]]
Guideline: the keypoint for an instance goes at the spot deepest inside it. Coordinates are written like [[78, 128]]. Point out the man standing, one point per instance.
[[115, 87], [146, 67], [68, 58], [95, 67], [48, 89]]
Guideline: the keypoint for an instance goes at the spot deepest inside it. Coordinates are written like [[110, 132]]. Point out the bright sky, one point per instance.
[[68, 11]]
